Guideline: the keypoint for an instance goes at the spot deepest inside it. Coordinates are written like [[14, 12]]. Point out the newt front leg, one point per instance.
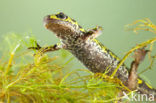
[[42, 50]]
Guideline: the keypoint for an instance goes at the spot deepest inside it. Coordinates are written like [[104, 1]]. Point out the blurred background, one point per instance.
[[26, 16]]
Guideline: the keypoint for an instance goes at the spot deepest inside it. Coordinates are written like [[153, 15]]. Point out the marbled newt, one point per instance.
[[83, 45]]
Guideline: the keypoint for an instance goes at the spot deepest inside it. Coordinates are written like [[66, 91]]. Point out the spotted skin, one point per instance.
[[83, 45]]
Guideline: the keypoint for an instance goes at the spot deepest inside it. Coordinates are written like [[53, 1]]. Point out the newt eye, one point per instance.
[[61, 15]]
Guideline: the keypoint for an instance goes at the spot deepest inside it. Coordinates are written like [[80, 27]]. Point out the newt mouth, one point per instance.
[[48, 21]]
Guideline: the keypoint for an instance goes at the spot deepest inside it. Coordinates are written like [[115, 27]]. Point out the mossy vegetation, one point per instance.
[[41, 79]]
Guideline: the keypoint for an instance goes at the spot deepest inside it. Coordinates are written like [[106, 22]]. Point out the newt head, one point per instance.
[[62, 25]]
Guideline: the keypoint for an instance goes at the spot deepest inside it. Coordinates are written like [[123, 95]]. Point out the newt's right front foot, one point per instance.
[[42, 50], [35, 48]]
